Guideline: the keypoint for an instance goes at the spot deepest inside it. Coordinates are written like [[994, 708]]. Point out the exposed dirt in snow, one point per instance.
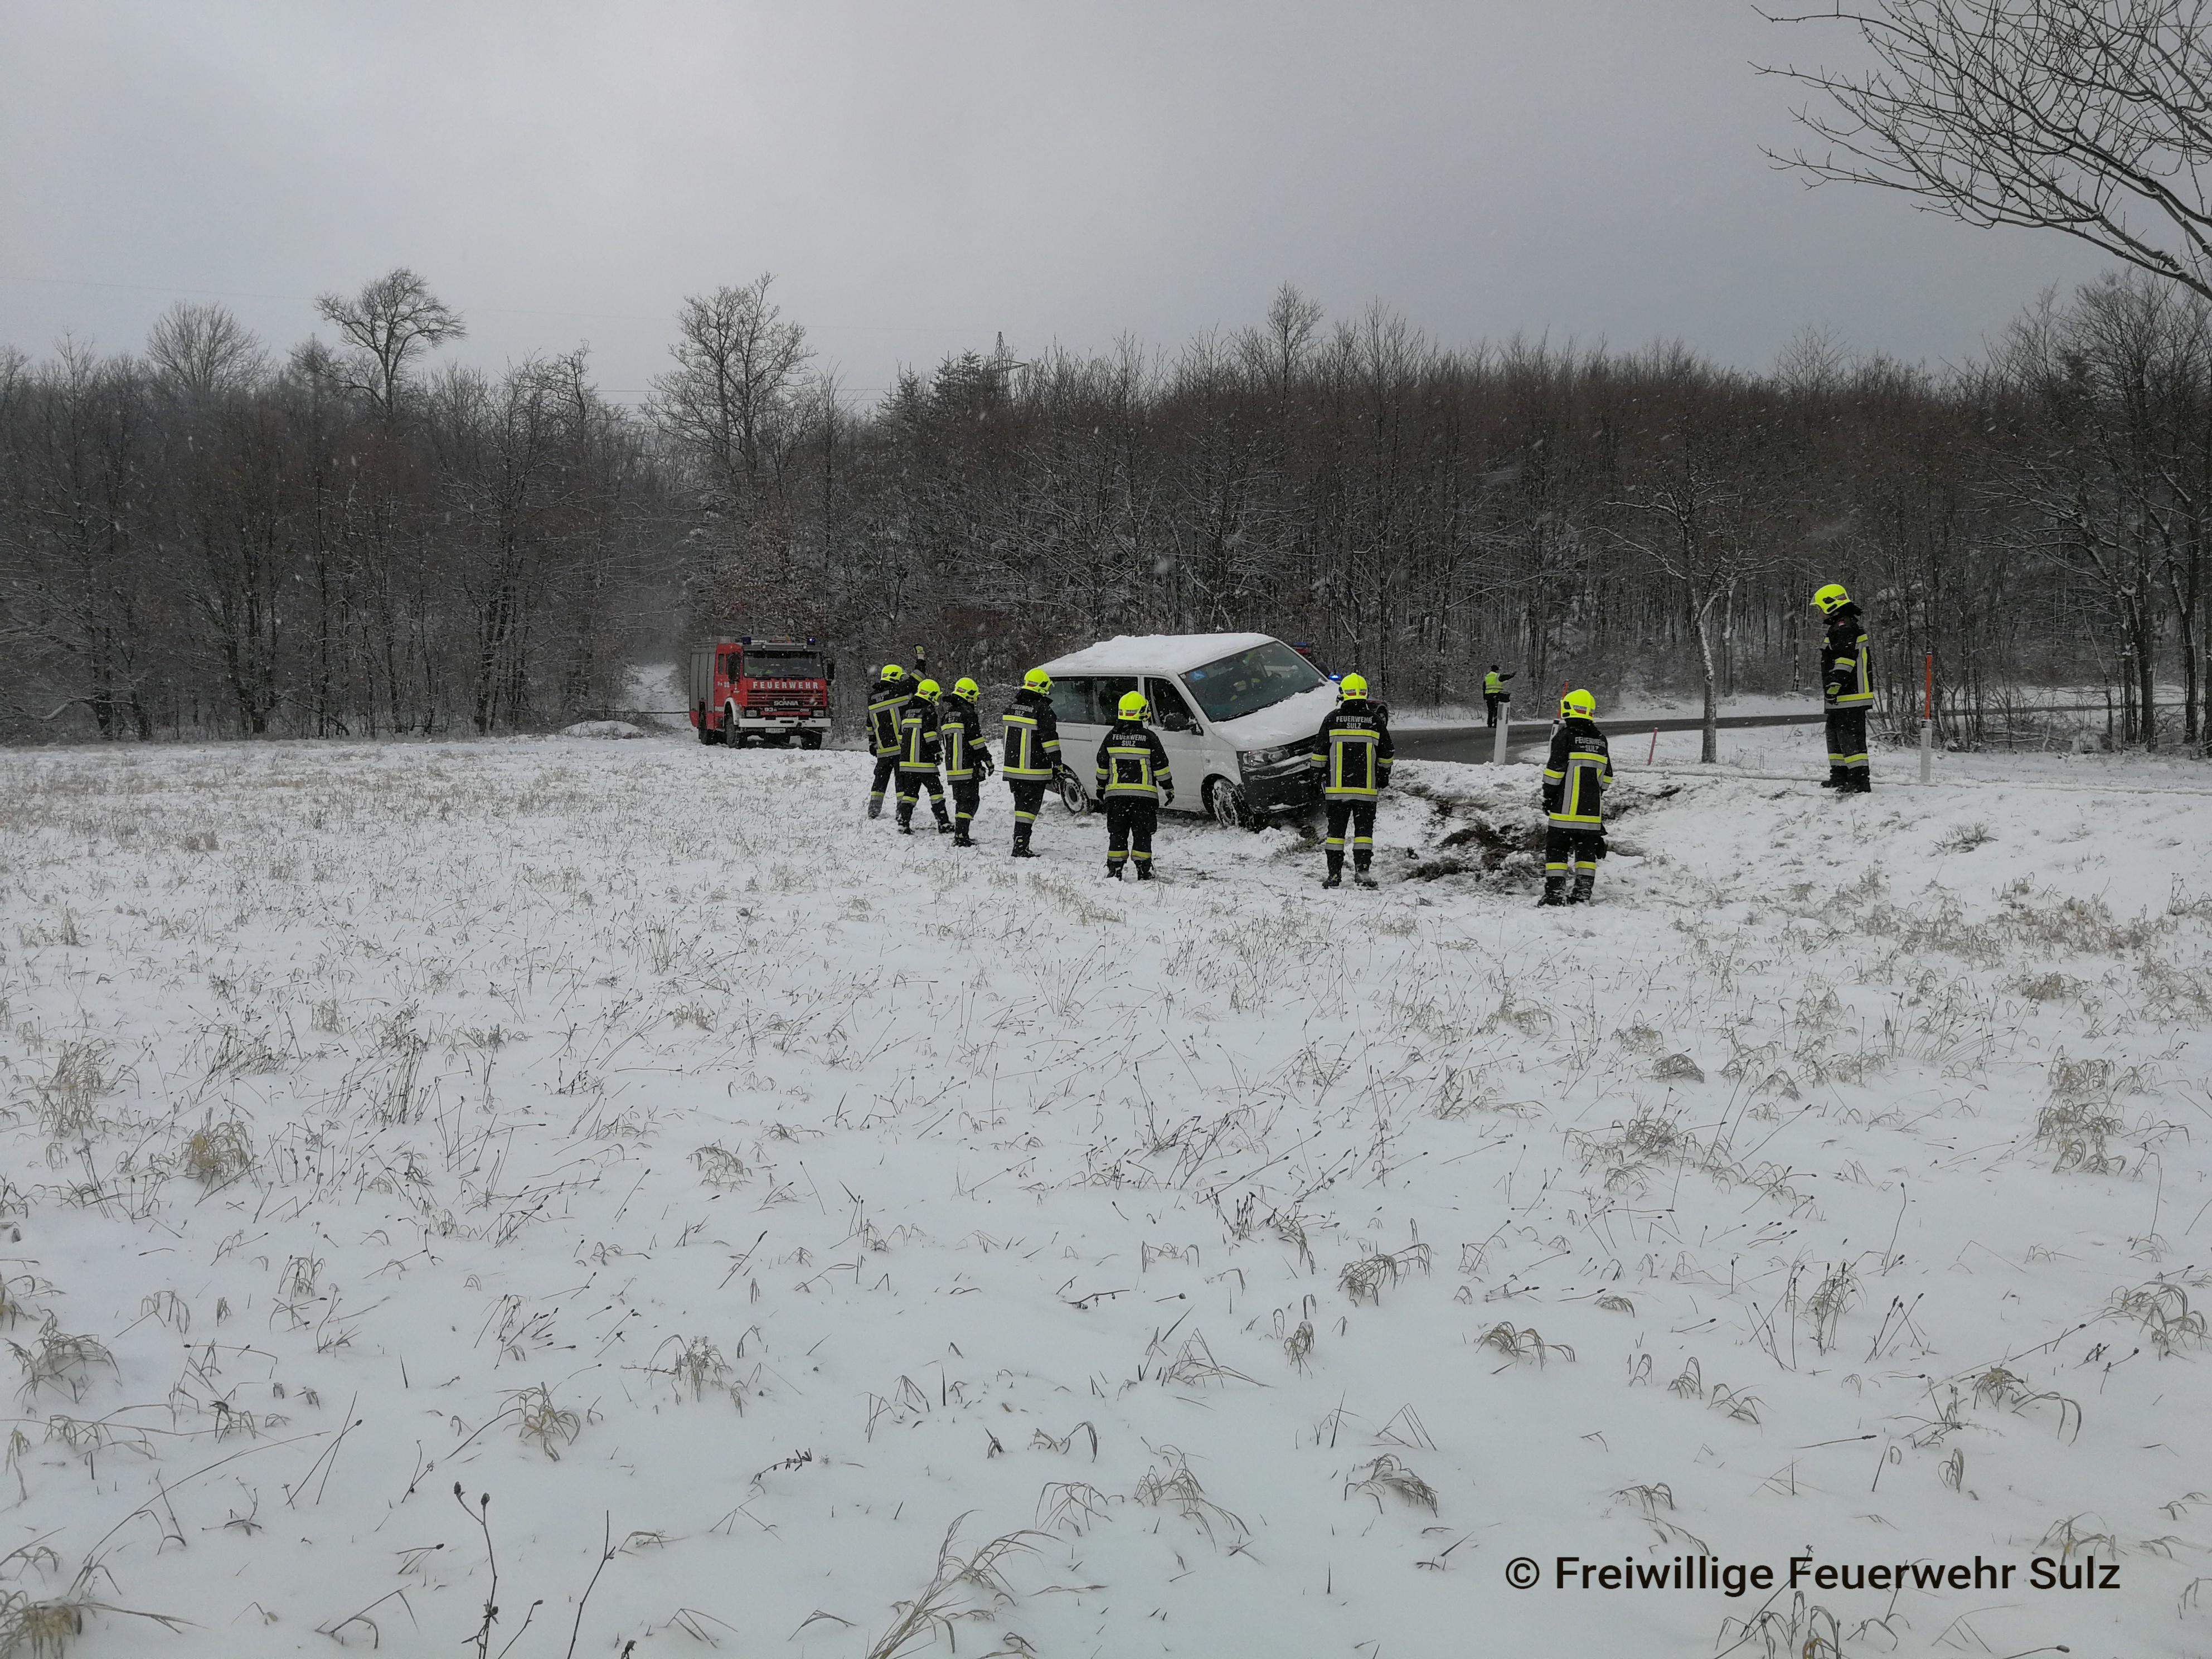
[[635, 1134]]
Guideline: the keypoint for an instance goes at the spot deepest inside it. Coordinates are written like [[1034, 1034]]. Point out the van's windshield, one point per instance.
[[1251, 680]]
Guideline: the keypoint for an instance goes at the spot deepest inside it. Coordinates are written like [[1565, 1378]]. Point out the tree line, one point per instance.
[[203, 537], [200, 539]]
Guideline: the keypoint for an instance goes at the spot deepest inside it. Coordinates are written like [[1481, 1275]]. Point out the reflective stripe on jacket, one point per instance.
[[1843, 661], [1493, 683], [887, 701], [918, 738], [1032, 738], [1132, 762], [960, 734], [1575, 778], [1354, 751]]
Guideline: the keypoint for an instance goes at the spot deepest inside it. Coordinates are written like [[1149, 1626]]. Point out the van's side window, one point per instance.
[[1112, 688], [1170, 711], [1070, 702]]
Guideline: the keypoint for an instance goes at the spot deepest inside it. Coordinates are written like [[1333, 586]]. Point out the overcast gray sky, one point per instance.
[[921, 177]]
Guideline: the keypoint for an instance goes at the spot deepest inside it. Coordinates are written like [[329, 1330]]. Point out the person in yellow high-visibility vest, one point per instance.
[[887, 701], [1134, 778], [1031, 754], [1495, 696], [1352, 753], [1575, 779], [919, 746], [966, 757], [1847, 691]]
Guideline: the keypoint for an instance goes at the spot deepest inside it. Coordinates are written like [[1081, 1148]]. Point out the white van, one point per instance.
[[1236, 713]]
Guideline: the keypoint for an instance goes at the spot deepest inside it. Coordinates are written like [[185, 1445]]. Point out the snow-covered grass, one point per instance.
[[616, 1184]]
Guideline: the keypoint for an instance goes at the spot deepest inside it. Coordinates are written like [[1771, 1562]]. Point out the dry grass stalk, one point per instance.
[[544, 1423], [936, 1610], [1386, 1474]]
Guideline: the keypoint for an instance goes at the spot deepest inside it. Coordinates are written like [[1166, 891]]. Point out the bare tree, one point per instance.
[[1696, 514], [2089, 117], [203, 350], [737, 362], [392, 320]]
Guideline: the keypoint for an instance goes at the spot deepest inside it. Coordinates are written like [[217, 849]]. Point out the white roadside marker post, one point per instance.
[[1927, 720], [1504, 724]]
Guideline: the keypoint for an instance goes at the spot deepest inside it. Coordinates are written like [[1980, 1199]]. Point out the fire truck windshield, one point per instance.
[[782, 666]]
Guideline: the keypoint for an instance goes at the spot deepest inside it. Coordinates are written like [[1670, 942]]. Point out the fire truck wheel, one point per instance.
[[707, 732], [731, 735], [810, 741]]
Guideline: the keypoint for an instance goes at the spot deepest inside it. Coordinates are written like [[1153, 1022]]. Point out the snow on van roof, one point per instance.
[[1154, 653]]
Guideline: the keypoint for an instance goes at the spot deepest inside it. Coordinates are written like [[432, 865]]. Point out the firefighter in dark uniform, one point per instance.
[[1495, 696], [967, 760], [887, 700], [1352, 752], [1031, 753], [1847, 689], [1575, 780], [1133, 780], [919, 749]]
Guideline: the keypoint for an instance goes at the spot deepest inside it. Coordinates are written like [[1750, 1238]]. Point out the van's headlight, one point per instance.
[[1264, 758]]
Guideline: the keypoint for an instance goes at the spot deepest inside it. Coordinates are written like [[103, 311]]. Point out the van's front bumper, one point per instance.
[[1279, 785]]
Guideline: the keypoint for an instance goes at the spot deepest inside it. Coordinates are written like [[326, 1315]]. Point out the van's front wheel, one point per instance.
[[1071, 793], [1227, 803]]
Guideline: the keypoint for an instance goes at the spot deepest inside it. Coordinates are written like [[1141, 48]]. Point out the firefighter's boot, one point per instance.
[[1585, 884], [1145, 870], [1555, 892], [1363, 877], [875, 806], [1113, 869], [1333, 878], [944, 820], [1840, 777]]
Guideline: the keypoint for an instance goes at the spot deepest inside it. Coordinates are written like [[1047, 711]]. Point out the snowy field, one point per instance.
[[813, 1241]]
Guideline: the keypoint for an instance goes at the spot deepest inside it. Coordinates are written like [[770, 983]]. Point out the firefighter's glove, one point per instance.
[[1167, 796], [1550, 800], [983, 761], [1835, 690], [1598, 836]]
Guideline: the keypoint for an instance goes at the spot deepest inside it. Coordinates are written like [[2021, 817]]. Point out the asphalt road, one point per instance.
[[1471, 745]]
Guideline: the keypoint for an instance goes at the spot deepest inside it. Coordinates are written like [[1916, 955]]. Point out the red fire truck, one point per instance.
[[761, 690]]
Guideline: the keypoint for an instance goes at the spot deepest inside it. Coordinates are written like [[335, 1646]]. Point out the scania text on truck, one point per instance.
[[761, 690]]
